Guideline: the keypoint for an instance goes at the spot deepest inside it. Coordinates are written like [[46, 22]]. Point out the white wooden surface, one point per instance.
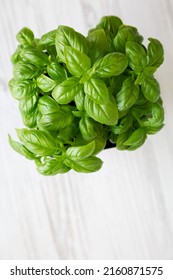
[[124, 211]]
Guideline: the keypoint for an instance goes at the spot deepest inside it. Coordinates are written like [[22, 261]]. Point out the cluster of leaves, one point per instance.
[[77, 93]]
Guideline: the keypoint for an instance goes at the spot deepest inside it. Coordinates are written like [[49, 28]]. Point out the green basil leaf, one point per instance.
[[65, 92], [124, 124], [102, 113], [156, 116], [37, 141], [51, 52], [116, 83], [28, 110], [79, 99], [151, 89], [98, 44], [121, 114], [126, 33], [155, 53], [87, 128], [136, 55], [140, 111], [136, 139], [121, 138], [47, 105], [86, 165], [160, 101], [25, 36], [97, 90], [101, 129], [77, 62], [21, 149], [30, 120], [79, 141], [28, 105], [50, 166], [148, 71], [23, 89], [110, 39], [67, 36], [78, 114], [100, 141], [57, 72], [81, 152], [128, 95], [45, 83], [11, 84], [112, 138], [57, 120], [141, 98], [25, 70], [112, 64], [69, 133], [15, 57], [35, 56], [100, 144], [48, 39], [153, 130], [110, 23]]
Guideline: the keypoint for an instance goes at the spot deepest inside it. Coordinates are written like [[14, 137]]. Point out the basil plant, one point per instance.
[[78, 94]]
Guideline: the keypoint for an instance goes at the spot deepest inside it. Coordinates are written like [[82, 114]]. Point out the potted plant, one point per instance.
[[77, 95]]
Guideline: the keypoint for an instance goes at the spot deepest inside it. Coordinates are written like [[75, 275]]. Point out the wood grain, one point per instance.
[[125, 210]]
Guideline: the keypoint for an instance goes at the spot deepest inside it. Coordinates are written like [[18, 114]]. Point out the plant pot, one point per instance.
[[109, 145]]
